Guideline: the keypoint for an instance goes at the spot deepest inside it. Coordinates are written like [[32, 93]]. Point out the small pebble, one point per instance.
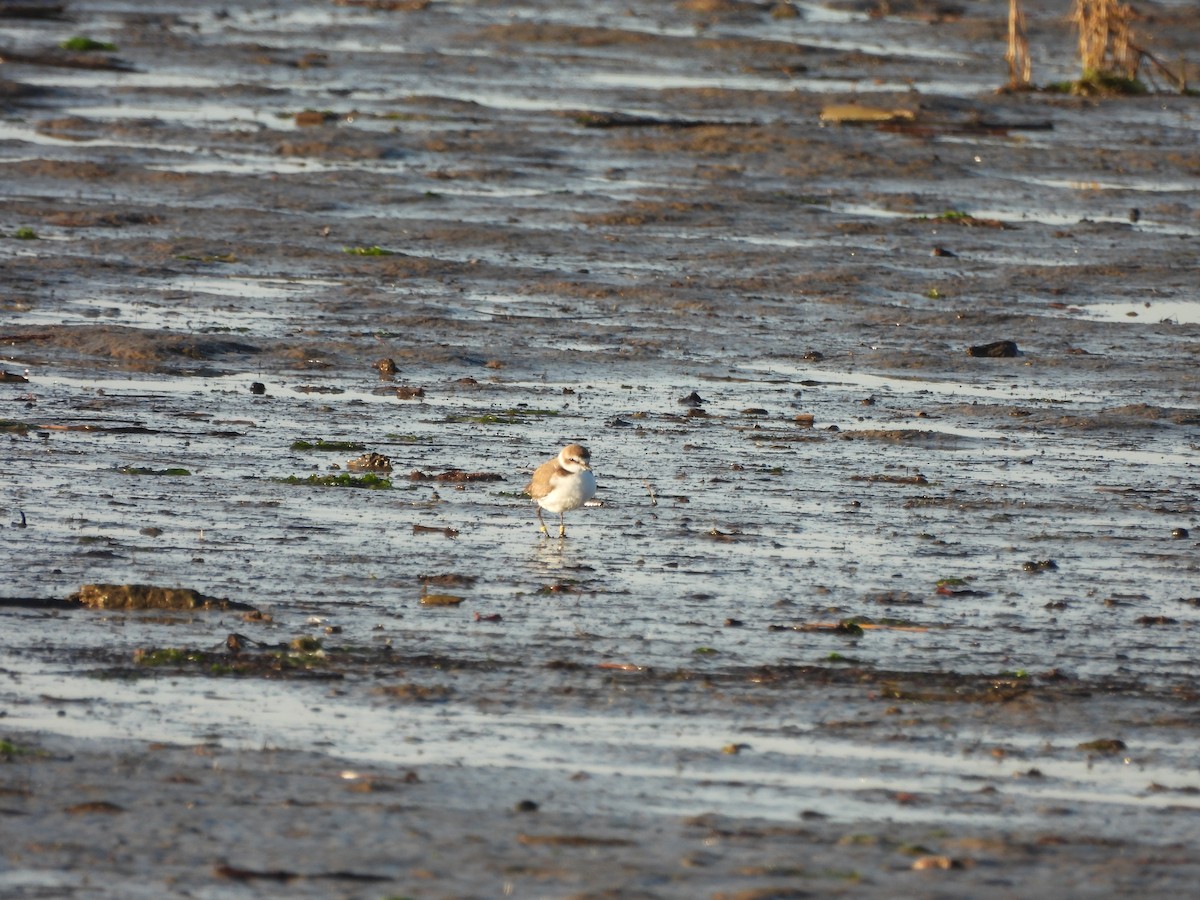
[[258, 388], [1179, 532]]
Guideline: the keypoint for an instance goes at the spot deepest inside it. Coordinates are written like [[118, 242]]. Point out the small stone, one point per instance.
[[258, 388], [932, 863], [942, 251], [692, 399], [1179, 532], [526, 806]]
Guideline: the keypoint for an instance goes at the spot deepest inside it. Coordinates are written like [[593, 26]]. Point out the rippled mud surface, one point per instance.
[[866, 593]]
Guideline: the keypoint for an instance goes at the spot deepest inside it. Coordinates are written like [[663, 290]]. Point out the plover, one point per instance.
[[563, 483]]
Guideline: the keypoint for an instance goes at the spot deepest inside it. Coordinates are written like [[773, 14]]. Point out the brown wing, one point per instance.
[[543, 478]]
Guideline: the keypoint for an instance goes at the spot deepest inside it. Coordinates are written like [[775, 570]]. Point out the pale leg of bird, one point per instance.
[[541, 522], [562, 524]]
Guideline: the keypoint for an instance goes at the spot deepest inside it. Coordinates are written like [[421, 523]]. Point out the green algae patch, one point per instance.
[[209, 258], [168, 656], [172, 472], [1100, 83], [505, 417], [25, 234], [320, 445], [344, 480], [10, 750], [961, 217], [268, 663], [375, 250], [82, 44]]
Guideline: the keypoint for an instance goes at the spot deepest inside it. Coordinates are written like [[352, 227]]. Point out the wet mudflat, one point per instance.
[[855, 599]]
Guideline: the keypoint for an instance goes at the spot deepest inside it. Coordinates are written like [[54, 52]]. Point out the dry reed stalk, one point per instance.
[[1020, 66]]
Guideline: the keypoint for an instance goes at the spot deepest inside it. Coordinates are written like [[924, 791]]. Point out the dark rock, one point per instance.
[[994, 349]]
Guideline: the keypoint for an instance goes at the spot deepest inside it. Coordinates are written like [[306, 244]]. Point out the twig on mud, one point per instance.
[[650, 490]]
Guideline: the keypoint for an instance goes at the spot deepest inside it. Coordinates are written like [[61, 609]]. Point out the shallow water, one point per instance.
[[548, 282]]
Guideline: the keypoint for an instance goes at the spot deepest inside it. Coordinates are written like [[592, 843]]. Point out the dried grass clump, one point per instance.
[[1106, 37], [1111, 59]]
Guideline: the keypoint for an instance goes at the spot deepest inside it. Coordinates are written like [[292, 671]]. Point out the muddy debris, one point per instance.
[[454, 476], [311, 118], [996, 350], [148, 596], [1104, 745], [441, 600], [1156, 620], [370, 462], [445, 531], [416, 693], [859, 114]]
